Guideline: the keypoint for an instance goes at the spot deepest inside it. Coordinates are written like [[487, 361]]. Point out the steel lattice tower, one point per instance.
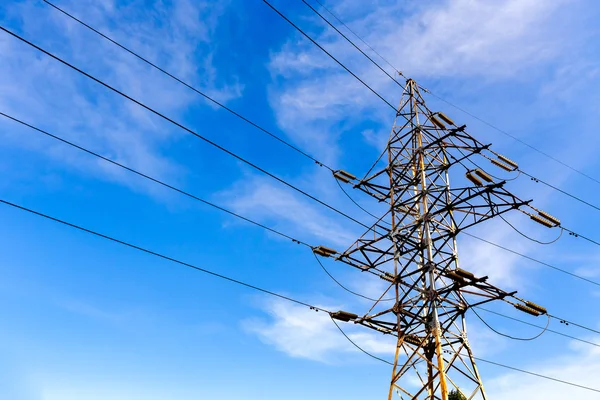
[[413, 247]]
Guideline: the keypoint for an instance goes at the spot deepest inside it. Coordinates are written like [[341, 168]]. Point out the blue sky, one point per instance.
[[84, 318]]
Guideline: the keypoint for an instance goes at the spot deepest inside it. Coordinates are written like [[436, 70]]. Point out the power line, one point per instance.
[[457, 107], [223, 149], [538, 326], [572, 233], [579, 199], [329, 54], [231, 212], [276, 137], [567, 322], [356, 203], [531, 259], [359, 38], [482, 360], [351, 42], [155, 180], [160, 255], [254, 287], [510, 250], [538, 375], [516, 138], [207, 97], [162, 183], [453, 105]]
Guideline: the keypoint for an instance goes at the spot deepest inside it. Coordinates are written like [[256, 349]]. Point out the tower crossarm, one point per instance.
[[469, 206]]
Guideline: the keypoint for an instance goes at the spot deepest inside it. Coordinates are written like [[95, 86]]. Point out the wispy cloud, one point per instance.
[[581, 366], [315, 100], [261, 199], [303, 333], [48, 94]]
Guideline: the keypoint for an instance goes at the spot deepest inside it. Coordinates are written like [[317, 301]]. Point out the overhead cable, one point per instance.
[[529, 237], [181, 126], [359, 38], [538, 326], [155, 180], [538, 375], [531, 258], [207, 97], [567, 322], [465, 111], [351, 42], [160, 255], [330, 55], [482, 360], [162, 183]]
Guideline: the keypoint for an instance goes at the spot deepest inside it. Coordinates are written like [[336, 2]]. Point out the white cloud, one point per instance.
[[259, 198], [45, 93], [315, 100], [302, 333], [581, 365], [298, 331], [503, 268], [467, 37]]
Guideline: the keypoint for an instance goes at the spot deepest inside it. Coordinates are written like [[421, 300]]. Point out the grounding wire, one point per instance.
[[179, 125], [329, 54], [207, 97], [544, 329], [479, 359], [159, 255], [155, 180], [538, 326]]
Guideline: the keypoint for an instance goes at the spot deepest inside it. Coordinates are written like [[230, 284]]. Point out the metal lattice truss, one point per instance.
[[413, 247]]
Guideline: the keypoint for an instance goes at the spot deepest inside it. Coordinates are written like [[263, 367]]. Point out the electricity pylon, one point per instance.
[[413, 248]]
